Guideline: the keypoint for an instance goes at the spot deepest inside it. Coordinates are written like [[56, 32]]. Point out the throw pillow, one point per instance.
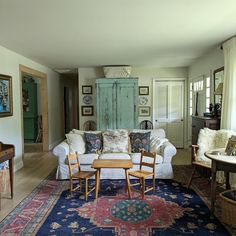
[[156, 143], [93, 142], [115, 141], [140, 141], [76, 143]]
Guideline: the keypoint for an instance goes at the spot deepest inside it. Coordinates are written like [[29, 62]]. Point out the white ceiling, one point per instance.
[[76, 33]]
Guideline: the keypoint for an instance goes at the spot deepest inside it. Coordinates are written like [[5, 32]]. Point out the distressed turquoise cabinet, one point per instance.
[[117, 103]]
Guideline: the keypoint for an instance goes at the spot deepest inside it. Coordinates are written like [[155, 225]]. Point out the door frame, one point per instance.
[[181, 79], [43, 101]]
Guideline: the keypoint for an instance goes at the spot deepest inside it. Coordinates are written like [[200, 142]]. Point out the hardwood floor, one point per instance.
[[37, 166]]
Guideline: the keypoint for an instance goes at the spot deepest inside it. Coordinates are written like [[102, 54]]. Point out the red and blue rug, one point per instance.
[[51, 210]]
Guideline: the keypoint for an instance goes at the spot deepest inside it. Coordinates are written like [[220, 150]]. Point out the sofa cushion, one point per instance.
[[76, 143], [122, 156], [84, 159], [115, 141], [93, 142], [136, 158], [140, 141]]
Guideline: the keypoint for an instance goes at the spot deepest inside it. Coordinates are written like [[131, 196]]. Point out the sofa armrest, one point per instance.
[[167, 150], [61, 150]]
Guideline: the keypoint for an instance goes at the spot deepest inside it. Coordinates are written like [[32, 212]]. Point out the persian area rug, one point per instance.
[[171, 210]]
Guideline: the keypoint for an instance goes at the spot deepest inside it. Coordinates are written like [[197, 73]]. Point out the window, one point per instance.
[[208, 92], [190, 98]]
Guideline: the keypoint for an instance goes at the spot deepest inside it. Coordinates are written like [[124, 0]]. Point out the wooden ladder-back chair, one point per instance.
[[77, 174], [148, 159]]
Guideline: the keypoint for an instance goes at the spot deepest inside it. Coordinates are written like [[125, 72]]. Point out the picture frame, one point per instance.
[[6, 96], [144, 111], [143, 90], [231, 146], [87, 89], [87, 110]]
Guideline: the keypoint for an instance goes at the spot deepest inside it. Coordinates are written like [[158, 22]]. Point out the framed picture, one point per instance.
[[143, 90], [144, 111], [231, 146], [5, 95], [87, 89], [87, 110]]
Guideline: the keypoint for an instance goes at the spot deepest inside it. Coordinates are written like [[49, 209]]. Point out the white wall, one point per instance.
[[87, 76], [205, 65], [10, 127]]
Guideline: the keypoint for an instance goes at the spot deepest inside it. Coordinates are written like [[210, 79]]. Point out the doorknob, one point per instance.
[[156, 120]]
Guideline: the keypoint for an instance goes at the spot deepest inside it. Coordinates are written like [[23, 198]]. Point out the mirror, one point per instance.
[[218, 85]]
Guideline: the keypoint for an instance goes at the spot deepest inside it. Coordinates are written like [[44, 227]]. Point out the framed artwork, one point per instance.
[[87, 89], [231, 146], [144, 111], [143, 90], [87, 110], [5, 95]]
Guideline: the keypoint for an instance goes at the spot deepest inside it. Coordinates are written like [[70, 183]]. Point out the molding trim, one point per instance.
[[18, 165]]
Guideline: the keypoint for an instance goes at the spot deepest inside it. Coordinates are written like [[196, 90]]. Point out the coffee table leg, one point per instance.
[[97, 182], [127, 183]]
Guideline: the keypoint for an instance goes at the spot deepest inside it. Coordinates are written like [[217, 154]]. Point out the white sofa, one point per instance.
[[158, 143]]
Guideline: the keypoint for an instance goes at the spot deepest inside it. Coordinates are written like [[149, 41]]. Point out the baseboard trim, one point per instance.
[[18, 165]]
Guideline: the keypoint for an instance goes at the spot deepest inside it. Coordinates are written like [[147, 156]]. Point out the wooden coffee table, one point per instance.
[[112, 163]]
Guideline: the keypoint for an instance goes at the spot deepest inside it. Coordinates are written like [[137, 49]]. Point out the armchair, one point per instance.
[[207, 140]]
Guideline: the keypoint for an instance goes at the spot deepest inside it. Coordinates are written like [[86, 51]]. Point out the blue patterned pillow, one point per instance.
[[140, 140], [93, 142]]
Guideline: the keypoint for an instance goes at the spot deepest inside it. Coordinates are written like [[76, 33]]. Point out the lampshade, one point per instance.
[[219, 89]]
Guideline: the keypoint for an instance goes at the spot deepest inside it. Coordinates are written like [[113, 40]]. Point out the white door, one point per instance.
[[168, 109]]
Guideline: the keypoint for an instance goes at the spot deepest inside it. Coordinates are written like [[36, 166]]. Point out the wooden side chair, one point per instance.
[[196, 164], [77, 174], [148, 159]]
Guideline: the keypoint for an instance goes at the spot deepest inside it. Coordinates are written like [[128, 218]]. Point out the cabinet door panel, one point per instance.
[[106, 106], [126, 116]]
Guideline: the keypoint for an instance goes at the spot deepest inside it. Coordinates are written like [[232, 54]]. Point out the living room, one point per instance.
[[160, 41]]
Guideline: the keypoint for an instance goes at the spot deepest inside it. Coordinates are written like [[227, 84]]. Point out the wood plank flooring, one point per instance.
[[37, 166]]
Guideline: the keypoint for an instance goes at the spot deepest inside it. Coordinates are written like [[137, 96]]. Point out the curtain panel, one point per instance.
[[228, 113]]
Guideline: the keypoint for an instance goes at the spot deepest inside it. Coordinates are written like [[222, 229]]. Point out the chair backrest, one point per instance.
[[148, 159], [73, 162], [146, 124]]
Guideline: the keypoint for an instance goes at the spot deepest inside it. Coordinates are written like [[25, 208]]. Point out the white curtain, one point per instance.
[[228, 113]]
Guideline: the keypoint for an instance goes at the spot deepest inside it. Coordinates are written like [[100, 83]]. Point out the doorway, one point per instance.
[[42, 121], [168, 109], [69, 84], [32, 118]]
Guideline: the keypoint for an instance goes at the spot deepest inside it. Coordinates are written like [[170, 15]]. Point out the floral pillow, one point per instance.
[[93, 142], [140, 141], [115, 141]]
